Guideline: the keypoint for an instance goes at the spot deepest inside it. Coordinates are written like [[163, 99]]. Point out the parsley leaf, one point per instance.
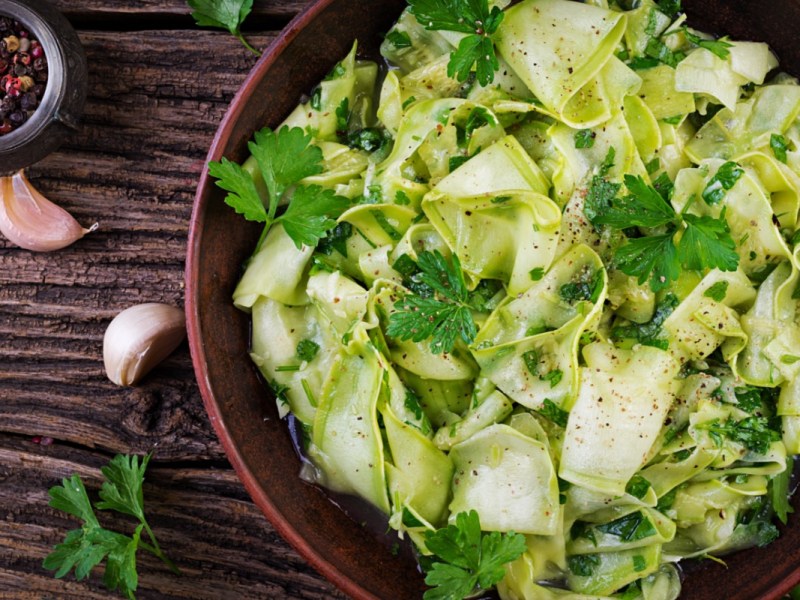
[[638, 486], [472, 17], [584, 138], [718, 291], [586, 285], [779, 146], [718, 47], [724, 179], [707, 243], [444, 315], [644, 207], [307, 350], [753, 433], [654, 258], [555, 413], [399, 39], [122, 490], [284, 158], [223, 14], [243, 196], [85, 548], [631, 527], [649, 333], [468, 559], [671, 8], [310, 214]]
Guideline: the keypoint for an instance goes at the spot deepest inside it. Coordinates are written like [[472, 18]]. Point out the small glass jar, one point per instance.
[[61, 106]]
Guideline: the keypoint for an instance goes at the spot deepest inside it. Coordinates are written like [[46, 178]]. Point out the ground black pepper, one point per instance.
[[23, 74]]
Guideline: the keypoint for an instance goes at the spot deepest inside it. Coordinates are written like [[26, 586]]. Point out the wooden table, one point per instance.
[[159, 86]]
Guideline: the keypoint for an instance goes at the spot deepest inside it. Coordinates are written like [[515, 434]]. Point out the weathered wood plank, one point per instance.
[[202, 518], [114, 9], [156, 100]]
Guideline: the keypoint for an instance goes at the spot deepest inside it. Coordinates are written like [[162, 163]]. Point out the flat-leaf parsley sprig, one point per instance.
[[467, 560], [284, 158], [472, 17], [224, 14], [85, 548], [703, 242], [443, 316]]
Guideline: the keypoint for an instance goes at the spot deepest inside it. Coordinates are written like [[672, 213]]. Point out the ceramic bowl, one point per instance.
[[61, 106], [240, 406]]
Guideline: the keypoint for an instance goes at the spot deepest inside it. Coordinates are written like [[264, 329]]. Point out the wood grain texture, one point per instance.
[[116, 9], [156, 99]]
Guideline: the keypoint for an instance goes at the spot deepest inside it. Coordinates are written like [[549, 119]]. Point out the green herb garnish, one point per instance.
[[307, 350], [779, 146], [705, 242], [649, 334], [717, 47], [717, 292], [85, 548], [223, 14], [753, 433], [398, 39], [555, 413], [444, 316], [467, 560], [472, 17], [724, 179], [584, 138], [284, 158]]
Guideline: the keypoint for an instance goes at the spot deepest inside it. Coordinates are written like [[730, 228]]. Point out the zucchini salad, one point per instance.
[[530, 288]]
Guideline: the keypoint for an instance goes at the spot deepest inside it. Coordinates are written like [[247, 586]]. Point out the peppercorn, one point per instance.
[[12, 43], [23, 74]]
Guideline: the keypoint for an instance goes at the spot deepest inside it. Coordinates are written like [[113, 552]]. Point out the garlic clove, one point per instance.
[[139, 338], [33, 222]]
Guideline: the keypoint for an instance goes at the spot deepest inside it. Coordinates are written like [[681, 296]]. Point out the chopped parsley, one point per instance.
[[649, 334], [717, 292], [584, 138], [724, 179], [754, 433], [398, 39], [779, 146], [583, 565], [585, 286], [550, 410], [632, 527], [717, 47], [638, 487], [307, 350]]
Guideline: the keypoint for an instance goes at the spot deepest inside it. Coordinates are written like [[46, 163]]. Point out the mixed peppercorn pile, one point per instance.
[[23, 74]]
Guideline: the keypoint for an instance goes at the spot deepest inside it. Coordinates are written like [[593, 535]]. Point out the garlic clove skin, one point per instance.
[[33, 222], [139, 338]]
